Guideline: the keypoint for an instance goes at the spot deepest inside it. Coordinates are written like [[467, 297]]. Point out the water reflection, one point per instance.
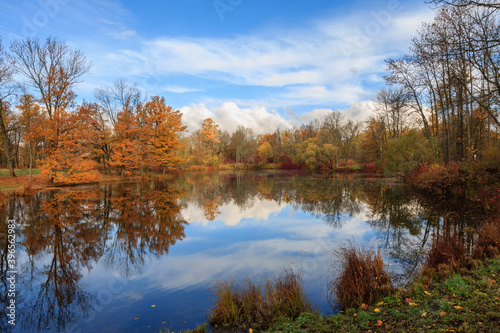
[[70, 240]]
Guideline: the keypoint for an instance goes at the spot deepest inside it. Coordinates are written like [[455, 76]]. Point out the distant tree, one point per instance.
[[125, 155], [168, 141]]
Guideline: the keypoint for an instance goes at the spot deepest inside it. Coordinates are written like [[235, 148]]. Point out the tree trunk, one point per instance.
[[6, 144], [31, 160]]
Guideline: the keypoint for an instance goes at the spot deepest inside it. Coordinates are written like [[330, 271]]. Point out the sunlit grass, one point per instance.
[[256, 304], [20, 172]]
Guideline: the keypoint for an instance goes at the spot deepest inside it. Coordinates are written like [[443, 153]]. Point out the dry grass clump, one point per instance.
[[488, 243], [252, 304], [362, 278]]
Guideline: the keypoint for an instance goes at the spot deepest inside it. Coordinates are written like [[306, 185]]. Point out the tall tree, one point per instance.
[[31, 119], [6, 91], [52, 68]]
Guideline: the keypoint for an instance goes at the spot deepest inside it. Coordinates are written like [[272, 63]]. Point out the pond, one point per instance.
[[137, 257]]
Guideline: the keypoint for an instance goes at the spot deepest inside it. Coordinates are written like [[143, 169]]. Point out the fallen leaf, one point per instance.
[[409, 300], [424, 314], [491, 282], [137, 318], [458, 307], [426, 292], [480, 323], [442, 314], [153, 306], [380, 303], [364, 306], [250, 330], [376, 310], [412, 304], [379, 323]]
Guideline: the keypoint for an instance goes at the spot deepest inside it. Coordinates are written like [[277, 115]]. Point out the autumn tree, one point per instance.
[[168, 132], [209, 139], [71, 160], [52, 68], [31, 122], [125, 155], [6, 91]]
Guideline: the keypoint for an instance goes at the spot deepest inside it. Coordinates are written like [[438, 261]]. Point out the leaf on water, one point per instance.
[[153, 306], [137, 318]]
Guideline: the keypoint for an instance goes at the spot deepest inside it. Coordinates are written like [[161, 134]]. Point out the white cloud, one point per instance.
[[180, 89], [231, 214], [324, 64], [229, 116]]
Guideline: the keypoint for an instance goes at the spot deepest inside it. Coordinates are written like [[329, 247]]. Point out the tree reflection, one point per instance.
[[65, 233]]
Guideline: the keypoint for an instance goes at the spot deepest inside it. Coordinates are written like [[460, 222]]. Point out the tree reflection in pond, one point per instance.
[[63, 235]]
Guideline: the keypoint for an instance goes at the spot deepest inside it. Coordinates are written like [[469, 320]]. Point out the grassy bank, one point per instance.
[[457, 290], [465, 302]]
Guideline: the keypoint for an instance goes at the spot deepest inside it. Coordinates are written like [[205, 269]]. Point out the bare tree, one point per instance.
[[6, 91], [52, 68], [495, 4], [120, 96], [392, 107]]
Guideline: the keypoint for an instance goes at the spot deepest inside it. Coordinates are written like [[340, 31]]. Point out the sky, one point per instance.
[[264, 64]]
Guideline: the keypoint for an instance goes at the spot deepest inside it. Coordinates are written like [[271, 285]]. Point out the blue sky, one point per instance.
[[262, 64]]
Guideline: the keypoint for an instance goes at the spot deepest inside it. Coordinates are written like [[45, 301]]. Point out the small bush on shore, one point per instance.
[[488, 243], [362, 278], [256, 305]]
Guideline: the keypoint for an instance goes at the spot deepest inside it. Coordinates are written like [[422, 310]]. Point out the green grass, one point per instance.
[[20, 172], [462, 303]]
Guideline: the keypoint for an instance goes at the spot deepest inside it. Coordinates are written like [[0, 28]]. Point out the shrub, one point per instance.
[[362, 278], [488, 243], [252, 304], [446, 256]]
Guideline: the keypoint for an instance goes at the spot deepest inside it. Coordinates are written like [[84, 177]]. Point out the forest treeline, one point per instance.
[[440, 107]]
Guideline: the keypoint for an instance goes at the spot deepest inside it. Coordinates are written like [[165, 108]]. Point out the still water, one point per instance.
[[137, 257]]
